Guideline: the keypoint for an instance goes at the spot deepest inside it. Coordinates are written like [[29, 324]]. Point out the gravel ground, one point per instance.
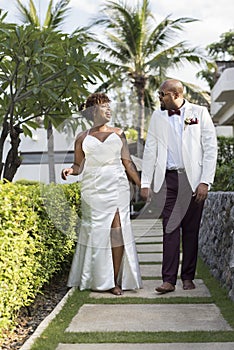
[[30, 317]]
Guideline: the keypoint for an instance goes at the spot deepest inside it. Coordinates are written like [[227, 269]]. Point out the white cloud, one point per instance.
[[88, 6], [215, 18]]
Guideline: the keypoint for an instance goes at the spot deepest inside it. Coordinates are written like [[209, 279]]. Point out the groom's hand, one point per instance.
[[201, 192]]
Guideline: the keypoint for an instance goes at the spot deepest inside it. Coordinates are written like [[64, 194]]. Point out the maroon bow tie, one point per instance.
[[172, 111]]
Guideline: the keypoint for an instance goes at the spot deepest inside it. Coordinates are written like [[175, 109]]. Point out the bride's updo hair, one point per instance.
[[88, 108]]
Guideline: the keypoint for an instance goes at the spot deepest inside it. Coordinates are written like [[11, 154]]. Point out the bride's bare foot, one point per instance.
[[116, 290]]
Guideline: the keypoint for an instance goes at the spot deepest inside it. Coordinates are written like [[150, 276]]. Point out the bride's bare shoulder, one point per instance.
[[118, 131], [80, 137]]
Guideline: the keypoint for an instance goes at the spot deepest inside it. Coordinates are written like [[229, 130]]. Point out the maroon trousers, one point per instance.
[[181, 219]]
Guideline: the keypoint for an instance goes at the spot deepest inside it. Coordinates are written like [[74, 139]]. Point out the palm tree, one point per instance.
[[223, 51], [54, 17], [141, 52]]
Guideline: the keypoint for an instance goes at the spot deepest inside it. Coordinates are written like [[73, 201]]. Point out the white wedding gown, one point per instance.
[[105, 189]]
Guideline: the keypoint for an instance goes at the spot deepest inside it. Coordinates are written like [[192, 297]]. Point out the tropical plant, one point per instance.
[[42, 73], [224, 177], [36, 240], [141, 52], [54, 17], [222, 50]]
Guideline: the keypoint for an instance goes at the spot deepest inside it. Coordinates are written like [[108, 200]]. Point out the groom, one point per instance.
[[180, 158]]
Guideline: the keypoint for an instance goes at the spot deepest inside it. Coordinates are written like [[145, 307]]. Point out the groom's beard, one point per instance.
[[163, 108]]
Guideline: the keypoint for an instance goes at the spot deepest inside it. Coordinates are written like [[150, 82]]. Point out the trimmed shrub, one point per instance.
[[225, 150], [19, 242], [224, 176], [37, 233]]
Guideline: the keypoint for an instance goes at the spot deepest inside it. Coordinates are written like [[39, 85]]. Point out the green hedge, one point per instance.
[[37, 234], [225, 150], [224, 176]]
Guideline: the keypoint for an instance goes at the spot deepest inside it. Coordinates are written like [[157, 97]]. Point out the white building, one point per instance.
[[222, 100], [35, 160]]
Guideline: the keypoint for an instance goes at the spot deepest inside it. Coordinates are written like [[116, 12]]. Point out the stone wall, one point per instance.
[[216, 238]]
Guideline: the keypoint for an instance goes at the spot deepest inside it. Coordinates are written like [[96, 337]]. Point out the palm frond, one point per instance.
[[48, 17], [149, 100], [109, 84], [166, 32], [176, 56], [121, 46], [28, 15], [197, 95], [33, 13], [124, 22], [184, 53], [84, 35], [55, 17]]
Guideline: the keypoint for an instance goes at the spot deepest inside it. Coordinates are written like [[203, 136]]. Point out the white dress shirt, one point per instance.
[[174, 149]]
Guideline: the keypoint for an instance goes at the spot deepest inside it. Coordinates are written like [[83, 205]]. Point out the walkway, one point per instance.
[[148, 313]]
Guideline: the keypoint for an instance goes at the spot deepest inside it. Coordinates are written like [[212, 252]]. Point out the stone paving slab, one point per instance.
[[153, 239], [150, 257], [154, 346], [148, 318], [151, 270], [147, 228], [147, 248], [145, 233], [147, 222], [148, 291]]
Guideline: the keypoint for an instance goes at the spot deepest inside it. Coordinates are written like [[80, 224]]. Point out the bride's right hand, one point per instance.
[[65, 172]]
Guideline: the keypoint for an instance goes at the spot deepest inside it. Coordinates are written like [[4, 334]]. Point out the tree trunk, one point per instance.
[[4, 133], [140, 129], [13, 160], [50, 145], [139, 83]]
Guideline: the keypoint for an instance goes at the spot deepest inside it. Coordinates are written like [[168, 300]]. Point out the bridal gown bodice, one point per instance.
[[104, 191], [105, 185]]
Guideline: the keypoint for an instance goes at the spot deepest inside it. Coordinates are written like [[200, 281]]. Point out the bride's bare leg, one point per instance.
[[117, 250]]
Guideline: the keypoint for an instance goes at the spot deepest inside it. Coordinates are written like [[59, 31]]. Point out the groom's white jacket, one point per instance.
[[199, 148]]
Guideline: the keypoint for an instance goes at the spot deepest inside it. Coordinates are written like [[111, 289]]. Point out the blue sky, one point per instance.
[[215, 17]]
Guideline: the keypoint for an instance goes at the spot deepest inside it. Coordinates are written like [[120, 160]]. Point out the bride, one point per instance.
[[105, 257]]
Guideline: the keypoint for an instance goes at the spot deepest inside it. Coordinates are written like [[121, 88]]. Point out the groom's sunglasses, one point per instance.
[[162, 93]]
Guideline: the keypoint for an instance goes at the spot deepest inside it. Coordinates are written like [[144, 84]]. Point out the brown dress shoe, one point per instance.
[[188, 284], [166, 287]]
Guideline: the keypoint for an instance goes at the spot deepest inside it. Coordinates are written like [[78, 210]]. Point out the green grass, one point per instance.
[[55, 332], [219, 295]]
